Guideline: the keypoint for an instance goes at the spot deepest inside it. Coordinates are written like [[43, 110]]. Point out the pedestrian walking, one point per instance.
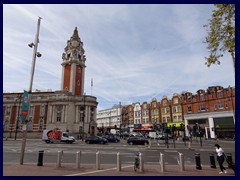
[[220, 158]]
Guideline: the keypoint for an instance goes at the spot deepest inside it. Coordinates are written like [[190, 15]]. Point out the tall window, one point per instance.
[[179, 118], [59, 116], [220, 105], [202, 97], [175, 100], [8, 110], [42, 111], [163, 110], [168, 119], [202, 108], [164, 102], [179, 109], [219, 94], [167, 109], [30, 124], [174, 118], [189, 99], [154, 104], [6, 124], [31, 110], [59, 112], [41, 123], [189, 109], [174, 109], [226, 105]]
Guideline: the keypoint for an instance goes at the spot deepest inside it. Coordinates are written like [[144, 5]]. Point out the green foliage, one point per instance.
[[221, 33]]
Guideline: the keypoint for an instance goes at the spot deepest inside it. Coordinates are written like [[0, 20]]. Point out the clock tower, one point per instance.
[[73, 66]]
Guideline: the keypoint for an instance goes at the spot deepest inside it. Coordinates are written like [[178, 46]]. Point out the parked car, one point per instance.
[[96, 140], [111, 138], [137, 140], [126, 135]]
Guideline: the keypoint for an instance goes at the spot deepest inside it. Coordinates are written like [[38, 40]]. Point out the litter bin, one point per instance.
[[40, 158], [212, 160], [229, 159], [198, 161]]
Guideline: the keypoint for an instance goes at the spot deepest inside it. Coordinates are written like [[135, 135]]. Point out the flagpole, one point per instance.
[[35, 53], [91, 86]]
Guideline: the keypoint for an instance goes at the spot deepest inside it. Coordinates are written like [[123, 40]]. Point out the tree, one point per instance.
[[221, 34]]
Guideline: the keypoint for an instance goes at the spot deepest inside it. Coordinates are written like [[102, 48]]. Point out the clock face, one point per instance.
[[75, 43]]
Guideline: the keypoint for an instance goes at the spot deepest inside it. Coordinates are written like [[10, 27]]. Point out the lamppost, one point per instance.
[[83, 116], [35, 54]]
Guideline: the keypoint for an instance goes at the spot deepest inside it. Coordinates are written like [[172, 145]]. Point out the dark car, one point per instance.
[[111, 138], [137, 140], [96, 140]]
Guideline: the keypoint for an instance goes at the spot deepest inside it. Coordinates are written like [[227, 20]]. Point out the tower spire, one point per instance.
[[75, 35], [73, 66]]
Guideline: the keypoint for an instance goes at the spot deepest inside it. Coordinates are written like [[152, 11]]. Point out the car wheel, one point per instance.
[[116, 140], [146, 143], [131, 143], [87, 142], [102, 142]]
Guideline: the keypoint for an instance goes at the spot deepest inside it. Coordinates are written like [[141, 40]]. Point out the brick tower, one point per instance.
[[73, 66]]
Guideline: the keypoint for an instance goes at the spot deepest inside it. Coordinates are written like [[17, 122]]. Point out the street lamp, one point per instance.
[[82, 116], [35, 53]]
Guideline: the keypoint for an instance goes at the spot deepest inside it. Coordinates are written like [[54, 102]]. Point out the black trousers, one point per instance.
[[220, 160]]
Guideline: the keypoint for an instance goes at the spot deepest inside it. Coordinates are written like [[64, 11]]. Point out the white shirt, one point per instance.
[[219, 151]]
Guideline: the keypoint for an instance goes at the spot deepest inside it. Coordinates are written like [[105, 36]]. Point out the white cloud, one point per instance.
[[134, 52]]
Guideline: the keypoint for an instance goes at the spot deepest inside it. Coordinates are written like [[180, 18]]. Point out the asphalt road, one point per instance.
[[108, 153]]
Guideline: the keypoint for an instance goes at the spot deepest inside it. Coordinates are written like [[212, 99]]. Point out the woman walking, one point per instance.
[[220, 158]]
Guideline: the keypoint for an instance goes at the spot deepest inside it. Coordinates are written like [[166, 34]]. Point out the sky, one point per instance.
[[133, 52]]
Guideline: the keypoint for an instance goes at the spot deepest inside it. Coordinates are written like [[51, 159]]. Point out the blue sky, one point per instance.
[[134, 52]]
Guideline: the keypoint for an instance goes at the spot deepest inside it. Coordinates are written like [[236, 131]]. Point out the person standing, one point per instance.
[[220, 158]]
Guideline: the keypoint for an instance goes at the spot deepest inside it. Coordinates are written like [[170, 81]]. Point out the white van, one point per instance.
[[57, 136]]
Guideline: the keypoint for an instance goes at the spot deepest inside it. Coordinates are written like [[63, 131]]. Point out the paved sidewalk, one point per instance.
[[106, 170]]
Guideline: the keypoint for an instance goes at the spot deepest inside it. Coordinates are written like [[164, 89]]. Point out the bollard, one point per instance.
[[118, 162], [229, 159], [78, 159], [97, 161], [59, 158], [40, 158], [161, 162], [141, 162], [212, 160], [198, 161], [181, 162]]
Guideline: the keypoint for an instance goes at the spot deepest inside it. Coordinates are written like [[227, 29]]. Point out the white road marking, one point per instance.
[[79, 174]]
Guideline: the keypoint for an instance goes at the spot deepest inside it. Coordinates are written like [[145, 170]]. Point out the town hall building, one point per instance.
[[68, 109]]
